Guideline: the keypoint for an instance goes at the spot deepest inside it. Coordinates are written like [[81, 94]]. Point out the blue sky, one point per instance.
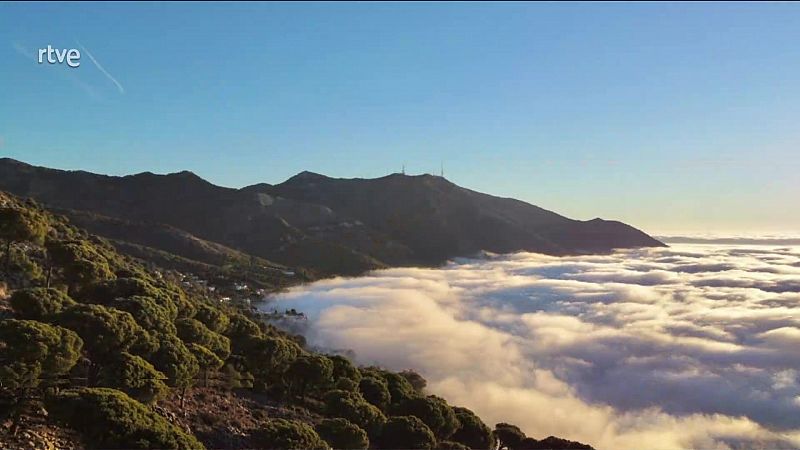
[[672, 117]]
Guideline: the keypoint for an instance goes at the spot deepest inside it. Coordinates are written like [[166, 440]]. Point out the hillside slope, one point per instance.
[[101, 351]]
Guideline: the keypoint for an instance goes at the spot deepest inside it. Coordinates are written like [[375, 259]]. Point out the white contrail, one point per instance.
[[105, 72], [68, 74], [19, 48]]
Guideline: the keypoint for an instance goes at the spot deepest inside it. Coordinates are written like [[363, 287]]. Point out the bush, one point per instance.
[[269, 357], [471, 432], [206, 359], [376, 391], [168, 297], [352, 406], [343, 369], [345, 384], [214, 319], [20, 224], [30, 350], [105, 331], [406, 432], [175, 361], [399, 388], [25, 263], [434, 412], [134, 376], [288, 435], [193, 331], [149, 314], [310, 370], [416, 381], [509, 435], [81, 262], [39, 303], [234, 373], [241, 328], [343, 434], [108, 418]]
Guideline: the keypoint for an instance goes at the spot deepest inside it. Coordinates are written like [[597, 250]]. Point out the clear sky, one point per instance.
[[672, 117]]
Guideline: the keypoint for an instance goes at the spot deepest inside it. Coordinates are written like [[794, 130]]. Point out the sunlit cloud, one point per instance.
[[689, 346]]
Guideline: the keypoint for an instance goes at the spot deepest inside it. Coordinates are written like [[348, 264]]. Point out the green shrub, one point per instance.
[[134, 376], [343, 369], [282, 434], [434, 412], [240, 327], [193, 331], [342, 434], [39, 303], [406, 432], [376, 391], [310, 370], [415, 380], [352, 406], [509, 435], [206, 359], [81, 263], [175, 361], [399, 387], [234, 373], [345, 384], [30, 350], [105, 331], [20, 224], [269, 357], [471, 432], [214, 319], [24, 263], [149, 314], [108, 291], [108, 418]]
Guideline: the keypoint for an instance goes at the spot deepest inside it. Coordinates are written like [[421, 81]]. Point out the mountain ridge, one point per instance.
[[333, 226]]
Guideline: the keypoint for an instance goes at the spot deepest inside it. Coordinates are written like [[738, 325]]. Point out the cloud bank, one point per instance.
[[694, 346]]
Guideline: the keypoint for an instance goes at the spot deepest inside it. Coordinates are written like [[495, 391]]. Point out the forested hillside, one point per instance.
[[99, 351]]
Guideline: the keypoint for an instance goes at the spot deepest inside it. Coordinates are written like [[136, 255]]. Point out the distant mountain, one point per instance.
[[329, 225], [437, 219]]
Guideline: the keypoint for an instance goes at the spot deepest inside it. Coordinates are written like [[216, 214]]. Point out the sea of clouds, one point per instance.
[[692, 346]]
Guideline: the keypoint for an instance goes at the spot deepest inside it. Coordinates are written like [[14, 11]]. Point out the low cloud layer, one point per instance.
[[694, 346]]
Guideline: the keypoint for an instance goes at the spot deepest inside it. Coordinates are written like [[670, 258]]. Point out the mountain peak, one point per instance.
[[307, 176], [182, 176], [187, 174]]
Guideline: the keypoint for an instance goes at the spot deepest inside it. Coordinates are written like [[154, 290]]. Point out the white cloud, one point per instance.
[[693, 346]]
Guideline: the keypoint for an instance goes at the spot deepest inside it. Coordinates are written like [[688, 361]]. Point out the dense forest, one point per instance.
[[102, 350]]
